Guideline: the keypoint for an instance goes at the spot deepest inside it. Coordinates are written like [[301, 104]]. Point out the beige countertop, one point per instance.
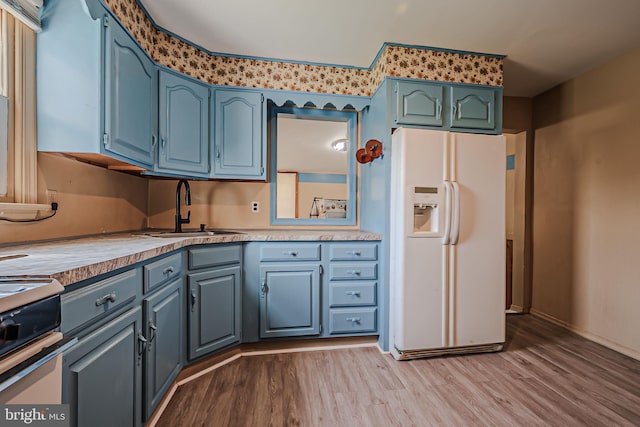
[[72, 260]]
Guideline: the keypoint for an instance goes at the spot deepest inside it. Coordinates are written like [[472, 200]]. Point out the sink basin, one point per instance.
[[192, 233], [182, 234]]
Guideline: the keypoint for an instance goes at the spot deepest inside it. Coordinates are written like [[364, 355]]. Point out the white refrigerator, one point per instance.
[[447, 243]]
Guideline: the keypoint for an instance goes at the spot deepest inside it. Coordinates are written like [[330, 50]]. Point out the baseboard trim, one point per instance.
[[516, 308], [592, 337], [418, 354]]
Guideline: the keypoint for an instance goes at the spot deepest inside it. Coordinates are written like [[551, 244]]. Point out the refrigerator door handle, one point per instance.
[[455, 226], [446, 236]]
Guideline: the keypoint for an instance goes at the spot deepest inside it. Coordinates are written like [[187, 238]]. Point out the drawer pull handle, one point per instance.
[[353, 293], [354, 320], [291, 253], [105, 299], [168, 270], [194, 300], [354, 272], [142, 346], [354, 253], [152, 334]]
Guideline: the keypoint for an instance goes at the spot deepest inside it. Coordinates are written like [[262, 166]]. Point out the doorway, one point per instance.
[[515, 221]]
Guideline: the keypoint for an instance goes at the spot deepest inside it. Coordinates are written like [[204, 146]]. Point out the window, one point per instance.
[[18, 172]]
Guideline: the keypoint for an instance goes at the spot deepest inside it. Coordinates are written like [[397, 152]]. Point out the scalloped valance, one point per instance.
[[318, 100]]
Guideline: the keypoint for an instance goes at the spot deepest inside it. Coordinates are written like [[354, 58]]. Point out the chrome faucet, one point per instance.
[[187, 201]]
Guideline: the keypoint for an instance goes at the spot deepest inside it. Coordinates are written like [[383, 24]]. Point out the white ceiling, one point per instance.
[[546, 41]]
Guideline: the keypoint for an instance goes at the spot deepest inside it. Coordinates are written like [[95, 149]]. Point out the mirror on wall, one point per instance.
[[312, 166]]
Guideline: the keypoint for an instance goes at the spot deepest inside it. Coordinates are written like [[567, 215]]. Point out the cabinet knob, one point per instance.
[[353, 293], [354, 272], [168, 270], [264, 288], [354, 320], [354, 253], [291, 253]]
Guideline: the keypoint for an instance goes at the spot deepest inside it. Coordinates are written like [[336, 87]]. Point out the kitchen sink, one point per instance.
[[192, 233]]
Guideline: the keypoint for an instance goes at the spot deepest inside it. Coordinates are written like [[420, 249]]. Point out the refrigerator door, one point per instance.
[[477, 260], [418, 257]]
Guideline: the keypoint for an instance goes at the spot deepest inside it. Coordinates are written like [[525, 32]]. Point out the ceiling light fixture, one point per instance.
[[340, 144]]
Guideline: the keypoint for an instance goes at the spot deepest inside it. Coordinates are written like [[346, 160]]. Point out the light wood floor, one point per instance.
[[545, 377]]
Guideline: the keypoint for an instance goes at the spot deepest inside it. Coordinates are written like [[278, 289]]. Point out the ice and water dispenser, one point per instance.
[[425, 210]]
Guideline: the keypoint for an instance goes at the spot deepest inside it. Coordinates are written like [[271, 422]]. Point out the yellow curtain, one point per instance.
[[18, 84]]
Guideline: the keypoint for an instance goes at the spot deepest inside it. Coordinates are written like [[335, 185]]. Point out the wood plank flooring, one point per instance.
[[546, 376]]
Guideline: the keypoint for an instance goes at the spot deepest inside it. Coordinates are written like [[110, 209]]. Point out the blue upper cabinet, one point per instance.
[[96, 87], [183, 126], [419, 103], [473, 108], [238, 149], [130, 96], [444, 105]]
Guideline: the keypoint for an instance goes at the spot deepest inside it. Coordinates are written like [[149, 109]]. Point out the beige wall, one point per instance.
[[586, 218], [92, 200], [517, 120], [218, 204]]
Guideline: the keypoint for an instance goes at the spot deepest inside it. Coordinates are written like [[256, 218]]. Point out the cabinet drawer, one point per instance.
[[352, 320], [162, 271], [367, 252], [353, 271], [295, 252], [214, 256], [85, 304], [343, 294]]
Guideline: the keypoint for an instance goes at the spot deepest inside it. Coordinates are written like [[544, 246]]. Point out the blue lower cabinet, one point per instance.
[[289, 300], [214, 309], [102, 374], [352, 320], [163, 312]]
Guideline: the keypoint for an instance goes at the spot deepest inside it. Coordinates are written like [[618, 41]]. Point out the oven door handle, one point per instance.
[[21, 370]]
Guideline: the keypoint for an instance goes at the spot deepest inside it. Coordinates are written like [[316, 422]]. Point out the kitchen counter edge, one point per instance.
[[73, 260]]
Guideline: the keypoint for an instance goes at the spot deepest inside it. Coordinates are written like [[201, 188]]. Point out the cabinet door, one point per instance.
[[214, 310], [102, 375], [164, 329], [184, 125], [473, 108], [239, 151], [419, 104], [289, 300], [130, 97]]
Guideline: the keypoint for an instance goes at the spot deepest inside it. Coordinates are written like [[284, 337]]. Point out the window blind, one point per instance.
[[27, 11]]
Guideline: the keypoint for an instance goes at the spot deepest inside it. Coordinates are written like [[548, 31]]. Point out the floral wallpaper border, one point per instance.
[[394, 61]]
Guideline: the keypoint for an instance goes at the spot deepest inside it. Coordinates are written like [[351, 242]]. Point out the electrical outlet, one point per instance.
[[51, 195], [255, 206]]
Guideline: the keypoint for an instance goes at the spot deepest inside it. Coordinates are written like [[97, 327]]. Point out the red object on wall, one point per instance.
[[372, 150]]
